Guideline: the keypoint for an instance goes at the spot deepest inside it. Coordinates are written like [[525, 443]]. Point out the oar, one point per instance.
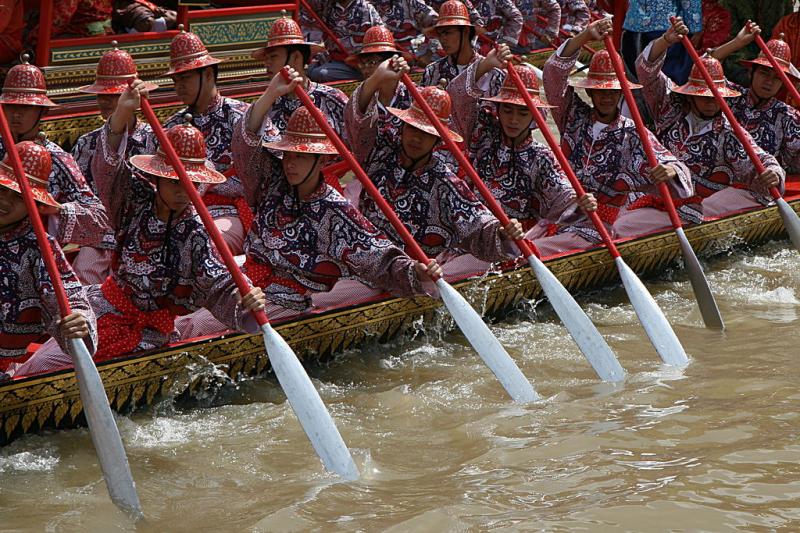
[[302, 396], [102, 426], [777, 68], [650, 315], [583, 331], [790, 219], [471, 324], [702, 292]]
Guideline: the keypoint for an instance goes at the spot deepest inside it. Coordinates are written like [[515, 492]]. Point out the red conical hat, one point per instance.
[[190, 146], [438, 99], [783, 55], [285, 32], [38, 164], [303, 135], [377, 40], [601, 74], [451, 13], [115, 70], [510, 95], [187, 52], [696, 86], [25, 85]]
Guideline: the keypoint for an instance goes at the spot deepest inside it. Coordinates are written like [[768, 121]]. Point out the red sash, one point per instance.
[[651, 200], [121, 334], [246, 215], [261, 275]]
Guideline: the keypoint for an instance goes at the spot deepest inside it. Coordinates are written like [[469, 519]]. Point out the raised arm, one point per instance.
[[745, 36]]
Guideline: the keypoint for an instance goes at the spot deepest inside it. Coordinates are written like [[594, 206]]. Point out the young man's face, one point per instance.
[[187, 85], [22, 119], [107, 103], [12, 207], [765, 82], [275, 59], [450, 38], [300, 167], [417, 143], [705, 106], [514, 119], [173, 194], [605, 101]]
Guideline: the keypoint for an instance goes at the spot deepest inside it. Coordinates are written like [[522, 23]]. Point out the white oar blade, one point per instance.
[[652, 318], [486, 344], [308, 406], [790, 221], [702, 291], [105, 434], [583, 331]]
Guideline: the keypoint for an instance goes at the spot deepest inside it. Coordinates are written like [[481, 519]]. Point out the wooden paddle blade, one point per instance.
[[486, 344], [105, 434], [652, 318], [308, 406], [790, 221], [583, 331], [702, 291]]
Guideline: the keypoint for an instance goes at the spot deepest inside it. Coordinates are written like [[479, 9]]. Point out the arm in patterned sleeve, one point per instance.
[[424, 15], [512, 21], [789, 155], [75, 294], [578, 15], [558, 196], [682, 185], [464, 95], [551, 11], [655, 86], [361, 127], [744, 170], [113, 178], [253, 163], [555, 80]]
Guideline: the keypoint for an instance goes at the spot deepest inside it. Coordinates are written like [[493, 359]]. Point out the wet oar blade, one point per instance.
[[702, 291], [790, 221], [486, 344], [652, 318], [308, 406], [104, 432], [582, 330]]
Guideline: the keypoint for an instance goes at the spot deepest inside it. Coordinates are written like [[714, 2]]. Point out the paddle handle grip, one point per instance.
[[737, 128], [33, 216], [412, 247], [491, 202], [644, 133], [194, 196], [324, 27], [777, 67], [562, 159]]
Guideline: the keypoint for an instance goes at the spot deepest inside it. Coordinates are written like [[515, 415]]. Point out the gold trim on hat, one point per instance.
[[24, 90], [190, 56]]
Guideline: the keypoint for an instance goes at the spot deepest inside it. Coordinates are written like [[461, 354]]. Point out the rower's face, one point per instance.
[[12, 208], [107, 103], [515, 119], [299, 166], [416, 143], [765, 82], [187, 85], [605, 101], [172, 194], [275, 59], [705, 106], [22, 119], [450, 37], [368, 63]]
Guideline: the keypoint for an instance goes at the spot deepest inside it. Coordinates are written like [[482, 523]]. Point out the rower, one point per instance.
[[773, 124], [522, 174], [541, 24], [166, 265], [306, 236], [503, 21], [398, 149], [604, 148], [28, 308], [456, 33], [406, 20], [287, 46], [79, 218], [378, 46], [690, 123]]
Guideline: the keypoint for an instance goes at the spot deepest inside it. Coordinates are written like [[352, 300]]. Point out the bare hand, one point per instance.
[[74, 326], [768, 179], [587, 203], [255, 299], [748, 33], [598, 29], [432, 270], [498, 56], [280, 86], [48, 210], [662, 173], [513, 231], [391, 70], [676, 31]]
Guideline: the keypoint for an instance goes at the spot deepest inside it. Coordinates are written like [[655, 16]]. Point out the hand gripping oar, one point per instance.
[[650, 315], [583, 331], [702, 292], [470, 323], [302, 396], [102, 427], [777, 68], [790, 219]]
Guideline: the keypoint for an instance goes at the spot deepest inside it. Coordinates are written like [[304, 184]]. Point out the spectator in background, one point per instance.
[[134, 16], [11, 25], [647, 20], [77, 18], [789, 26]]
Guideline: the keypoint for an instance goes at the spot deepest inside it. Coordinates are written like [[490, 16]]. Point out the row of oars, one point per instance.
[[303, 397]]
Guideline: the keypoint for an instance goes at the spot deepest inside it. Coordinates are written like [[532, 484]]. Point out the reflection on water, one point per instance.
[[441, 448]]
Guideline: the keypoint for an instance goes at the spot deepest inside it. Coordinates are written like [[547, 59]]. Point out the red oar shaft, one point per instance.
[[644, 133], [33, 215], [464, 163], [562, 159], [194, 196], [412, 247], [737, 128], [324, 27], [777, 67]]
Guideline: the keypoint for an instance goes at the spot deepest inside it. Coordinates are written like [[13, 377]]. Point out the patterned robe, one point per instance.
[[329, 100], [526, 180], [503, 21], [713, 154], [28, 306], [406, 19], [82, 219], [574, 15], [612, 165], [436, 206], [774, 126], [306, 246], [444, 68], [531, 10], [168, 267], [349, 22]]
